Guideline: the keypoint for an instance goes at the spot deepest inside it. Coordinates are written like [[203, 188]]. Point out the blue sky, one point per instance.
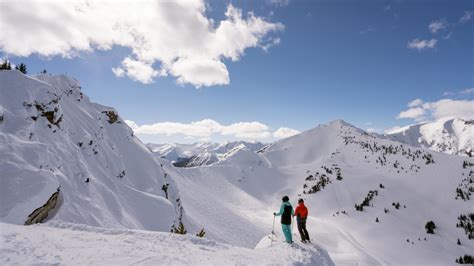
[[361, 61]]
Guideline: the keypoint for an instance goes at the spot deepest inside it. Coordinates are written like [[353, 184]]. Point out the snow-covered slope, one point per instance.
[[334, 167], [40, 244], [200, 153], [51, 135], [451, 136]]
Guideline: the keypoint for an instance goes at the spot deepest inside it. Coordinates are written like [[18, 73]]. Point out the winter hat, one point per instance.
[[285, 199], [300, 201]]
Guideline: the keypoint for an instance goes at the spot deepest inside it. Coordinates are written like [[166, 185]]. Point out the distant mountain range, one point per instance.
[[451, 136], [200, 153]]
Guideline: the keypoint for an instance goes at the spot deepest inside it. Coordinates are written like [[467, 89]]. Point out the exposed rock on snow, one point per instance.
[[43, 212]]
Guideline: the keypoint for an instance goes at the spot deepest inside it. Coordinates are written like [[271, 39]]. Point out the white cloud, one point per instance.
[[284, 132], [413, 113], [414, 103], [118, 71], [422, 44], [136, 70], [208, 129], [467, 91], [443, 108], [460, 93], [437, 25], [392, 130], [164, 37], [452, 108], [280, 2], [466, 17], [373, 130]]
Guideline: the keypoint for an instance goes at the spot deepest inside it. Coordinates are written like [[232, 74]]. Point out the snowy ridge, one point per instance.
[[451, 136], [334, 167], [92, 245], [52, 135]]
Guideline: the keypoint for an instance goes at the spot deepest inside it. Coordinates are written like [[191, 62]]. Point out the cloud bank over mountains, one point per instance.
[[195, 55], [210, 129]]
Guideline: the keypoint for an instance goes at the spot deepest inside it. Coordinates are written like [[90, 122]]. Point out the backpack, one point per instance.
[[286, 216]]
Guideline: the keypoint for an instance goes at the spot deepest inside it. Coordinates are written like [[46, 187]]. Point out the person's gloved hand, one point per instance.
[[274, 214]]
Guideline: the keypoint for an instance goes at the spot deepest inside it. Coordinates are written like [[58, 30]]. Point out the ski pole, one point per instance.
[[273, 230], [292, 223]]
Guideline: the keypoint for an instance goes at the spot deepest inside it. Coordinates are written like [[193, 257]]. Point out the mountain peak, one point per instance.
[[339, 123]]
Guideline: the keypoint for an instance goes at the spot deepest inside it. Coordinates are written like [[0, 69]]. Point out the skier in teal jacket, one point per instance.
[[286, 212]]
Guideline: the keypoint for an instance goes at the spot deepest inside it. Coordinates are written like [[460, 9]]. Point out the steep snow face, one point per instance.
[[349, 180], [199, 154], [51, 135], [451, 136]]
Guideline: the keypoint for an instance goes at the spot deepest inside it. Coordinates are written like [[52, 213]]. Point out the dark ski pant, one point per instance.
[[302, 229]]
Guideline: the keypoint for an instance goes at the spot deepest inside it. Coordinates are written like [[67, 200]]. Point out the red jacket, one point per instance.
[[301, 211]]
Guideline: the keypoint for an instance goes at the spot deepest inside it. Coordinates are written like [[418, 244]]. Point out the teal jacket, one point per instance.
[[282, 209]]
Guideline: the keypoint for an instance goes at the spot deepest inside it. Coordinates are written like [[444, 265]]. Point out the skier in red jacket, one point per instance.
[[301, 214]]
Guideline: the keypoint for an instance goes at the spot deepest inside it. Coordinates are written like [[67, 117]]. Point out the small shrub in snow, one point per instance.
[[201, 233], [467, 164], [180, 230], [467, 259]]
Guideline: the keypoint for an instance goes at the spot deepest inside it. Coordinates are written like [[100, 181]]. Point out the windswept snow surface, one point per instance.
[[448, 135], [72, 244]]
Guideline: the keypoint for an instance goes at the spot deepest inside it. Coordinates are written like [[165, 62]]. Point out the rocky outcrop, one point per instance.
[[113, 116], [41, 213]]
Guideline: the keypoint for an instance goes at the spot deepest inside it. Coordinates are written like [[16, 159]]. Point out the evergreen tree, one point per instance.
[[22, 68], [430, 226], [377, 219], [5, 65], [459, 241]]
